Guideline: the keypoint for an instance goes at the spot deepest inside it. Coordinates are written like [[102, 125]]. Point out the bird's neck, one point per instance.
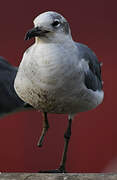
[[54, 39]]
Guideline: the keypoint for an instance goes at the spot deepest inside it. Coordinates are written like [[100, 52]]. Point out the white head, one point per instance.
[[50, 27]]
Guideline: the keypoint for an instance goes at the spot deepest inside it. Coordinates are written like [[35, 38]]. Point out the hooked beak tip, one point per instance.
[[35, 32], [31, 33], [27, 37]]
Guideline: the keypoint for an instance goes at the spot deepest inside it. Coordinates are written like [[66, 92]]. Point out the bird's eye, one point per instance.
[[56, 23]]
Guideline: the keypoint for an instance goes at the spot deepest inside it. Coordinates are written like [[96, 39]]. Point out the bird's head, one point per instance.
[[49, 26]]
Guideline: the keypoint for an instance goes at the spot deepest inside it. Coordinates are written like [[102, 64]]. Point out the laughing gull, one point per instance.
[[57, 74], [9, 100]]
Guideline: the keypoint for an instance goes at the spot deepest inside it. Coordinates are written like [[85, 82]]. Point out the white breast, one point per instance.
[[48, 65], [45, 73]]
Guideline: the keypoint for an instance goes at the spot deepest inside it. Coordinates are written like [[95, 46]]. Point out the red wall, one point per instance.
[[93, 146]]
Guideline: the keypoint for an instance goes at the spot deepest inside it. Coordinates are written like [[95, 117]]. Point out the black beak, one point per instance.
[[35, 32]]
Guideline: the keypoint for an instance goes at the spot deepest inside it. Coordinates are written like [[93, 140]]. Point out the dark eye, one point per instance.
[[56, 23]]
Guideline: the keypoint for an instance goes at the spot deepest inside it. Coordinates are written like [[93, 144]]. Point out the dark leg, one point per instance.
[[45, 128], [67, 136]]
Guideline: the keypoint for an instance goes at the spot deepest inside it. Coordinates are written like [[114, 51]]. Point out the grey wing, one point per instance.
[[92, 77], [9, 101]]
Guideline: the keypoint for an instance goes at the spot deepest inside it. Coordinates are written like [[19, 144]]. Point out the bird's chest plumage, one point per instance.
[[47, 64], [50, 66], [47, 75]]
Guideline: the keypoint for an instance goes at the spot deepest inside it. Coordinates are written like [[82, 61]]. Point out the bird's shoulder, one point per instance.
[[92, 77]]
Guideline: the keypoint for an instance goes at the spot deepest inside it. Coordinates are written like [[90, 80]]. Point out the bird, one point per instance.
[[58, 75], [9, 101]]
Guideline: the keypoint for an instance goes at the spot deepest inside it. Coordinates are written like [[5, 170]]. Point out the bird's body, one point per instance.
[[58, 75], [51, 79]]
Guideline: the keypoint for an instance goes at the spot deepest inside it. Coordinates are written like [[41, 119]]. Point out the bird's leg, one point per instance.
[[45, 128], [67, 136]]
